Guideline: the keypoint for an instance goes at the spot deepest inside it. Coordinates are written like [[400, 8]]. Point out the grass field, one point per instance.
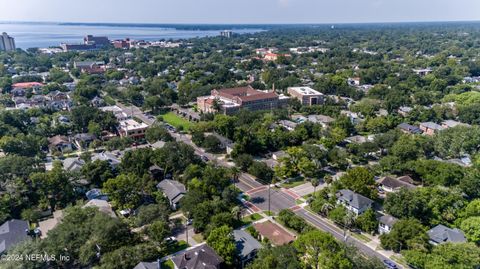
[[198, 238], [177, 121], [168, 264], [251, 218], [293, 183]]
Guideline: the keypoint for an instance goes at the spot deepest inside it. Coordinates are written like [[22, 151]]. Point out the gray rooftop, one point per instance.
[[245, 243], [147, 265], [442, 234], [431, 125], [353, 199], [388, 220], [12, 232], [201, 257], [174, 190]]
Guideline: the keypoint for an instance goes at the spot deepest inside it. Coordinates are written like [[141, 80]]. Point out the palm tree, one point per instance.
[[235, 174], [326, 207], [237, 212], [315, 182], [328, 180]]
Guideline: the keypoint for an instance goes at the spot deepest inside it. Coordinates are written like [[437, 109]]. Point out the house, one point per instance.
[[404, 110], [12, 232], [60, 143], [97, 102], [441, 234], [83, 140], [173, 190], [358, 139], [385, 224], [430, 128], [354, 202], [452, 123], [306, 95], [275, 234], [73, 164], [200, 257], [247, 247], [102, 205], [422, 72], [289, 125], [226, 143], [354, 81], [108, 157], [117, 111], [96, 194], [323, 120], [132, 128], [148, 265], [409, 129], [390, 184], [277, 155], [156, 172]]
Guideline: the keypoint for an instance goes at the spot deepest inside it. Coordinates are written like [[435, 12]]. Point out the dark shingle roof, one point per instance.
[[353, 199], [394, 183], [388, 220], [147, 265], [442, 234], [245, 243], [174, 190], [12, 232], [202, 257], [410, 128]]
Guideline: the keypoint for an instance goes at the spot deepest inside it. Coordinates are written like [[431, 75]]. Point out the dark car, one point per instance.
[[204, 158], [389, 264]]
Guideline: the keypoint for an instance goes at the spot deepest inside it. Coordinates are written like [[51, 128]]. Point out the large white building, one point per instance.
[[7, 43]]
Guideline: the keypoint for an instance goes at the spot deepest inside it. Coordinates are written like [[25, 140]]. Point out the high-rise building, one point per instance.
[[7, 43], [226, 33]]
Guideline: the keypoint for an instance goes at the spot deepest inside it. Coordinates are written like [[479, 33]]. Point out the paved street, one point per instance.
[[306, 188], [280, 198], [321, 224]]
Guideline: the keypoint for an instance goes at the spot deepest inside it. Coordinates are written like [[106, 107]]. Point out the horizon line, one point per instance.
[[247, 23]]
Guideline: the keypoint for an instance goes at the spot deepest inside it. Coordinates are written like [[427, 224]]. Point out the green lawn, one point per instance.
[[293, 183], [251, 218], [177, 121], [269, 213], [198, 238], [176, 247], [361, 237], [168, 264]]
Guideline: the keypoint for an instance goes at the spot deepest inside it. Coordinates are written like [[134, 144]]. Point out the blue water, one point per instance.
[[29, 35]]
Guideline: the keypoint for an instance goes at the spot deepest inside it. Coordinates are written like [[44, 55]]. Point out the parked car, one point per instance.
[[389, 264], [170, 240], [204, 158]]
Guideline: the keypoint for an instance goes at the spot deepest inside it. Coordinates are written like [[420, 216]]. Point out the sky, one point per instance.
[[239, 11]]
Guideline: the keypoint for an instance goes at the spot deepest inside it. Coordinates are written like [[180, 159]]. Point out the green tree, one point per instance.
[[321, 250], [360, 180], [471, 228], [123, 191], [222, 241], [283, 257], [406, 234], [367, 221]]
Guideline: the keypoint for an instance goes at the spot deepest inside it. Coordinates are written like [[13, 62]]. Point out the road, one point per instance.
[[321, 224], [259, 194]]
